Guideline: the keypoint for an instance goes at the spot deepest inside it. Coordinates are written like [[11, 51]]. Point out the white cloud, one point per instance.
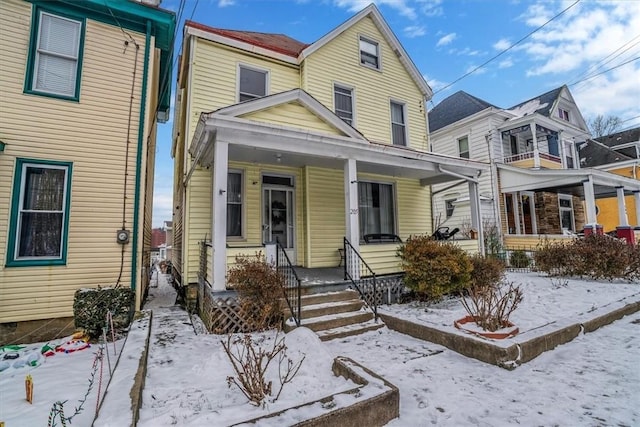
[[537, 14], [502, 44], [470, 68], [435, 84], [415, 31], [357, 5], [225, 3], [506, 63], [466, 51], [445, 40], [431, 7]]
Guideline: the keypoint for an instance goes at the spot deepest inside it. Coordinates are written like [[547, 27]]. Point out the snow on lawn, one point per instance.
[[545, 300]]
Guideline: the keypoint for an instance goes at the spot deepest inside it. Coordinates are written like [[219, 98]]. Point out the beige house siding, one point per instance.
[[339, 62], [92, 134], [293, 115]]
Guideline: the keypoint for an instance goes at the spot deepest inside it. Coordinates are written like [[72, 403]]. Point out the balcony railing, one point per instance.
[[530, 155]]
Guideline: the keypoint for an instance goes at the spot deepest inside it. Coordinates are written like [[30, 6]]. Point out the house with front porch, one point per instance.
[[318, 147], [537, 186]]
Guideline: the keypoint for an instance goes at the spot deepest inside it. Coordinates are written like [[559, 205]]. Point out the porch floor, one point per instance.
[[326, 279]]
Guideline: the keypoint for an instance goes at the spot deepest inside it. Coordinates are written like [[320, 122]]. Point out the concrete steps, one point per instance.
[[335, 314]]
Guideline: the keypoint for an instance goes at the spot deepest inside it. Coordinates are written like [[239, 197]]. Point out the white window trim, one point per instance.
[[562, 209], [63, 231], [267, 83], [404, 116], [353, 100], [468, 146], [379, 50], [243, 206], [394, 194], [515, 207]]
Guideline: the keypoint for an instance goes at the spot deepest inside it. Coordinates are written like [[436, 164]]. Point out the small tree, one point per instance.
[[492, 239], [603, 126]]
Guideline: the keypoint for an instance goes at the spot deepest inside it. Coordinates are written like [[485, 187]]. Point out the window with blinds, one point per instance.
[[343, 102], [398, 126], [55, 55]]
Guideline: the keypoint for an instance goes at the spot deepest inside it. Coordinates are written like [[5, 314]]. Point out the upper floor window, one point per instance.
[[39, 218], [398, 124], [463, 147], [369, 53], [563, 114], [252, 83], [55, 55], [343, 102], [234, 204]]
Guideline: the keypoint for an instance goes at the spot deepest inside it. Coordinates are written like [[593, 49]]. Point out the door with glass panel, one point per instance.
[[278, 218]]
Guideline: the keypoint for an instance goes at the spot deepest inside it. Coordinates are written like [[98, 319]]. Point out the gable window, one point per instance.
[[565, 205], [40, 210], [252, 83], [369, 53], [398, 127], [376, 206], [234, 204], [563, 114], [55, 53], [343, 102], [463, 147], [449, 207]]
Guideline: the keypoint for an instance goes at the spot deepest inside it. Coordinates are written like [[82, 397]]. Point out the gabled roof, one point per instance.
[[279, 43], [546, 101], [454, 108], [622, 138], [594, 153]]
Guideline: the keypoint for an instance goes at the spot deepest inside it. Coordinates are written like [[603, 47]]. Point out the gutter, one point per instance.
[[457, 175], [141, 131]]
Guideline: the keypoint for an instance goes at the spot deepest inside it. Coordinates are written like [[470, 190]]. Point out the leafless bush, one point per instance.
[[491, 306], [559, 283], [250, 361]]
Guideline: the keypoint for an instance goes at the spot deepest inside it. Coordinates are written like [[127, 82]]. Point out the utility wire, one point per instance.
[[605, 71], [507, 49]]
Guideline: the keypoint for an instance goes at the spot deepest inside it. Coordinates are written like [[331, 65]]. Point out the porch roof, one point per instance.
[[268, 143], [568, 181]]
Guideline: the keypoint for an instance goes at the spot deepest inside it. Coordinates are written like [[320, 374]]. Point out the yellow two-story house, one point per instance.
[[82, 88], [303, 144]]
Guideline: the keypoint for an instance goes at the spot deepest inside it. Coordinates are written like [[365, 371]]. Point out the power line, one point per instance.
[[507, 49], [605, 71]]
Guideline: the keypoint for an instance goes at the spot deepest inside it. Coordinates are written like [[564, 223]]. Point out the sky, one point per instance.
[[586, 48]]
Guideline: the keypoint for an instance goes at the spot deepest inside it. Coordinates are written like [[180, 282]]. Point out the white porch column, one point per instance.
[[590, 201], [219, 214], [476, 215], [536, 151], [352, 223], [636, 196], [623, 221], [563, 158]]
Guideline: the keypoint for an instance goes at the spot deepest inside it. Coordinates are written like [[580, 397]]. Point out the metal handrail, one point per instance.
[[353, 258], [202, 271], [292, 285]]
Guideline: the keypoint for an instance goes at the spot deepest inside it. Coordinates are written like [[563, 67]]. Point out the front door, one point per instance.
[[278, 219]]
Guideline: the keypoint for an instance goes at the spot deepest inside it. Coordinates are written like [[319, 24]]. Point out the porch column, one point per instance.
[[476, 215], [563, 158], [219, 214], [536, 151], [591, 227], [352, 223], [623, 221], [636, 196]]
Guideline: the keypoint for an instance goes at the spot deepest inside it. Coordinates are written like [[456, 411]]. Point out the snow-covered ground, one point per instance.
[[591, 381]]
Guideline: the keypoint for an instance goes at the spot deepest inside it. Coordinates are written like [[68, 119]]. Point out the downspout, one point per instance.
[[141, 132]]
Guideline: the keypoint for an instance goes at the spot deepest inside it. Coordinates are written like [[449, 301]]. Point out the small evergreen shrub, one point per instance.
[[434, 269], [90, 307], [260, 290], [519, 259]]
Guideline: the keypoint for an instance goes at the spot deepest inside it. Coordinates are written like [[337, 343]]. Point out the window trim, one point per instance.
[[34, 37], [353, 102], [378, 53], [468, 147], [267, 80], [564, 114], [394, 204], [391, 122], [561, 209], [16, 197], [243, 213]]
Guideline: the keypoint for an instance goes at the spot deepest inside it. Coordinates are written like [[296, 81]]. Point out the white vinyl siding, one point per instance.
[[398, 124], [343, 102]]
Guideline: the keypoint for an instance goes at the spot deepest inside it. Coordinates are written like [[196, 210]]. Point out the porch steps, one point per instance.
[[336, 314]]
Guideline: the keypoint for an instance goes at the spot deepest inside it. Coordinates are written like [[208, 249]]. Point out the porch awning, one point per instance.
[[262, 142], [567, 181]]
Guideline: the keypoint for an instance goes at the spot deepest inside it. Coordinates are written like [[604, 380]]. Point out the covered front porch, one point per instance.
[[310, 189]]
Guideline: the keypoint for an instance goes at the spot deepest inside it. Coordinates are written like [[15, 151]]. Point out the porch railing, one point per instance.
[[530, 155], [292, 282], [358, 272]]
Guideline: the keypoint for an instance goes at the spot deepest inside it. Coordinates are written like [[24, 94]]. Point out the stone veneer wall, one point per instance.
[[548, 214]]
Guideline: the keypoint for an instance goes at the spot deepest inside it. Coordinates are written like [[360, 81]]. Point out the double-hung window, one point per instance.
[[463, 147], [343, 102], [398, 124], [55, 55], [40, 213], [234, 204], [563, 114], [252, 83], [449, 207], [369, 53], [376, 208], [565, 205]]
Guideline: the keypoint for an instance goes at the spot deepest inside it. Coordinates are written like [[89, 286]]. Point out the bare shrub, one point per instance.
[[487, 271], [260, 289], [519, 259], [490, 306], [250, 361]]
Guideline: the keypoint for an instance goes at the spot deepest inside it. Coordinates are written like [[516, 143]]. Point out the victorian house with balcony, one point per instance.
[[537, 186]]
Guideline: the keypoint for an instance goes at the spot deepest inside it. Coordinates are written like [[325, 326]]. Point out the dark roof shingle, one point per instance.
[[622, 137], [455, 107], [546, 101]]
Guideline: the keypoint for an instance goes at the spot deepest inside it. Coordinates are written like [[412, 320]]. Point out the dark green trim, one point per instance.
[[13, 221], [141, 129], [2, 145], [33, 40], [130, 15]]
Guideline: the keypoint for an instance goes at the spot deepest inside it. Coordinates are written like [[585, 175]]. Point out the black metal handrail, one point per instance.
[[358, 271], [292, 283], [204, 260]]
